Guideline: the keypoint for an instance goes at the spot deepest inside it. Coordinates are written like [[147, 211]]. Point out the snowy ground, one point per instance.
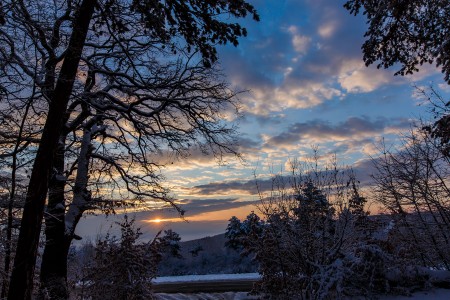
[[209, 277], [214, 283], [435, 294], [206, 296]]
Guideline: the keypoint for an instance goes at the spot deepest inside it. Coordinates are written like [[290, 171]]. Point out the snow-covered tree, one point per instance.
[[308, 242], [91, 68], [79, 59], [123, 268]]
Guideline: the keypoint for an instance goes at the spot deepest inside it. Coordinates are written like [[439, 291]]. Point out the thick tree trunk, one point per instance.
[[21, 283], [54, 266], [59, 230], [53, 274]]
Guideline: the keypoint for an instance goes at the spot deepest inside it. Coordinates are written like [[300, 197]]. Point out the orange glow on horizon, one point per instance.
[[220, 215], [159, 220]]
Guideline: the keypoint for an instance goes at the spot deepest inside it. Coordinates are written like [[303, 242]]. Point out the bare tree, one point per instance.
[[127, 158], [61, 39], [18, 137], [412, 184]]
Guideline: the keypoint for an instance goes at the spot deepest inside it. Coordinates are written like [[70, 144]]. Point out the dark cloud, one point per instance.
[[205, 157], [363, 171], [264, 120], [245, 187], [349, 145], [195, 206], [244, 143], [352, 128]]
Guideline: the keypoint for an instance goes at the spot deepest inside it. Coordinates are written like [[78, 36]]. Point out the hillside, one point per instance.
[[207, 255]]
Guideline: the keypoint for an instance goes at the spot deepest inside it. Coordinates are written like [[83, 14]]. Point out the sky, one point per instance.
[[307, 87]]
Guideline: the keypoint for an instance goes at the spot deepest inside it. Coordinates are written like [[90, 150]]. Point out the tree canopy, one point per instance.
[[408, 32], [83, 67]]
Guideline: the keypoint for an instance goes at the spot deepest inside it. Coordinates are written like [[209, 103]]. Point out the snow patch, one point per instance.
[[206, 296], [209, 277]]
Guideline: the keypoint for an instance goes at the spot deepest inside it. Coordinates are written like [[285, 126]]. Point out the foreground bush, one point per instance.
[[315, 240], [123, 268]]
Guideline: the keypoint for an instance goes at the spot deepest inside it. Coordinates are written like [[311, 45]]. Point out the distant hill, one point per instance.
[[207, 255]]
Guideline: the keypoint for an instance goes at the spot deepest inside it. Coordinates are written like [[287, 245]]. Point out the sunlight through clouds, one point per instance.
[[304, 84]]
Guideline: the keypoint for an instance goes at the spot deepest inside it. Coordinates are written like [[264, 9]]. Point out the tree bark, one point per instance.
[[53, 275], [59, 230], [21, 283]]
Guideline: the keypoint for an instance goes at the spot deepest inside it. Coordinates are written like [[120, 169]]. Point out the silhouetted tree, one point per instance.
[[308, 245], [43, 44], [407, 32], [412, 182], [123, 268], [439, 128]]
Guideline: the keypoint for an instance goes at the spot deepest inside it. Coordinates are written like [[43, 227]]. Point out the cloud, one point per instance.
[[328, 29], [355, 77], [293, 60], [299, 42], [444, 87], [353, 128], [305, 95], [195, 157], [201, 210], [263, 120], [228, 187], [198, 206], [363, 169]]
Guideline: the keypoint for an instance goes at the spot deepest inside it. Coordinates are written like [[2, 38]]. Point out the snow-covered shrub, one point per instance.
[[306, 244], [122, 268]]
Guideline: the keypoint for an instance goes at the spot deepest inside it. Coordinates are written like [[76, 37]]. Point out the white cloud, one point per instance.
[[305, 96], [445, 87], [300, 42], [355, 77], [327, 30], [295, 95]]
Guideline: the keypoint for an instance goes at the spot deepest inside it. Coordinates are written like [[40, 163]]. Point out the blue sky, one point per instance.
[[308, 85]]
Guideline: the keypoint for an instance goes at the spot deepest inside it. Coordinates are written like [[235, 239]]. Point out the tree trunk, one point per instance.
[[81, 195], [53, 274], [21, 283], [12, 198], [59, 230]]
